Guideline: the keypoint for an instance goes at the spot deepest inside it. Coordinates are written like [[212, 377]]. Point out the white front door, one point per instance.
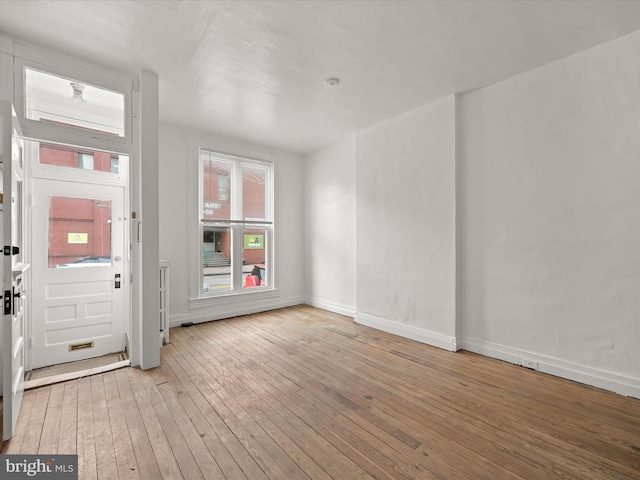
[[14, 279], [79, 261]]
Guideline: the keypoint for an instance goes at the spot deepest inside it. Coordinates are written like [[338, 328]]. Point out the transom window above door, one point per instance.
[[69, 102], [64, 101]]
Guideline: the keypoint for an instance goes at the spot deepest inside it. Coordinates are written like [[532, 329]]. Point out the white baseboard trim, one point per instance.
[[218, 312], [411, 332], [330, 306], [613, 382]]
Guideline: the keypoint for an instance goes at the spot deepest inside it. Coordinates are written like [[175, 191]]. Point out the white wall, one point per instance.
[[549, 217], [175, 161], [330, 227], [405, 177]]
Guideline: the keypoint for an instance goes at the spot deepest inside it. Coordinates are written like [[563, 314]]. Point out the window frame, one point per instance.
[[236, 225]]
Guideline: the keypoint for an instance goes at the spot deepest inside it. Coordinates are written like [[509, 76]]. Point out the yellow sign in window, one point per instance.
[[78, 238]]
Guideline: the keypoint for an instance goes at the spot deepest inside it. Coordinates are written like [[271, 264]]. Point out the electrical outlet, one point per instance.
[[529, 364]]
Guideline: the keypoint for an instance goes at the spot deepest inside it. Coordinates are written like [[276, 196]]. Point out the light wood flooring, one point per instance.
[[302, 393]]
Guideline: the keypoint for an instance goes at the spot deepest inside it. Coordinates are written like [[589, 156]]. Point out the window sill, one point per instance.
[[233, 298]]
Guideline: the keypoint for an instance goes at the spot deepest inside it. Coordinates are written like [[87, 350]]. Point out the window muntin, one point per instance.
[[236, 223], [72, 103]]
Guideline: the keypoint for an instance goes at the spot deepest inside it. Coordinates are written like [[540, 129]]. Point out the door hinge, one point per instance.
[[32, 342]]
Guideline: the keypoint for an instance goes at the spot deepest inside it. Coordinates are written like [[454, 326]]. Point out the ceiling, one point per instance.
[[255, 70]]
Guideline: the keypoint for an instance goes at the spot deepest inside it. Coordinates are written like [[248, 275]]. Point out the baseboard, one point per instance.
[[411, 332], [229, 310], [330, 306], [613, 382]]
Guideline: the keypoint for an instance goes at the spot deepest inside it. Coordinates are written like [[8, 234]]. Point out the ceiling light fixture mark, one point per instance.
[[77, 92]]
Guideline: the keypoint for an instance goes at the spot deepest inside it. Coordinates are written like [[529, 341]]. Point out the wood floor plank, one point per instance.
[[167, 464], [125, 458], [51, 426], [216, 432], [87, 461], [293, 436], [105, 451], [166, 430], [509, 445], [141, 446], [67, 439], [270, 456], [308, 428], [314, 390], [192, 438], [15, 444], [301, 393]]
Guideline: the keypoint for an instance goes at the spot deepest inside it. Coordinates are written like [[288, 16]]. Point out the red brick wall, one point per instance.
[[68, 157]]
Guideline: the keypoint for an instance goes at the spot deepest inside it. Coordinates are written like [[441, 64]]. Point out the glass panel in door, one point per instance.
[[79, 232]]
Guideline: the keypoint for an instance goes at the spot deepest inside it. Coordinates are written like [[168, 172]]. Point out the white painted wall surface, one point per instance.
[[549, 217], [330, 227], [405, 176], [175, 160]]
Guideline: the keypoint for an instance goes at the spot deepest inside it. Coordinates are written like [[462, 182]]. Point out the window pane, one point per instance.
[[216, 187], [85, 161], [79, 232], [254, 257], [216, 255], [254, 192], [76, 157], [115, 165], [65, 101]]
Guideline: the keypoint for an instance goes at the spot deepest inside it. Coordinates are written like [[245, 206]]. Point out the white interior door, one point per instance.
[[79, 268], [14, 279]]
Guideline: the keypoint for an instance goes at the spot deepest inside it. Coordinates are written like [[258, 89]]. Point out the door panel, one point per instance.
[[14, 278], [79, 288]]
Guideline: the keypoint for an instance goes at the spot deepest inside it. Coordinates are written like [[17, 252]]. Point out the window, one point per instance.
[[236, 223], [85, 161], [114, 165]]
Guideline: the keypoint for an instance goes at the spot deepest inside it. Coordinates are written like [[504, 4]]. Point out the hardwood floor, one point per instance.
[[303, 393]]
